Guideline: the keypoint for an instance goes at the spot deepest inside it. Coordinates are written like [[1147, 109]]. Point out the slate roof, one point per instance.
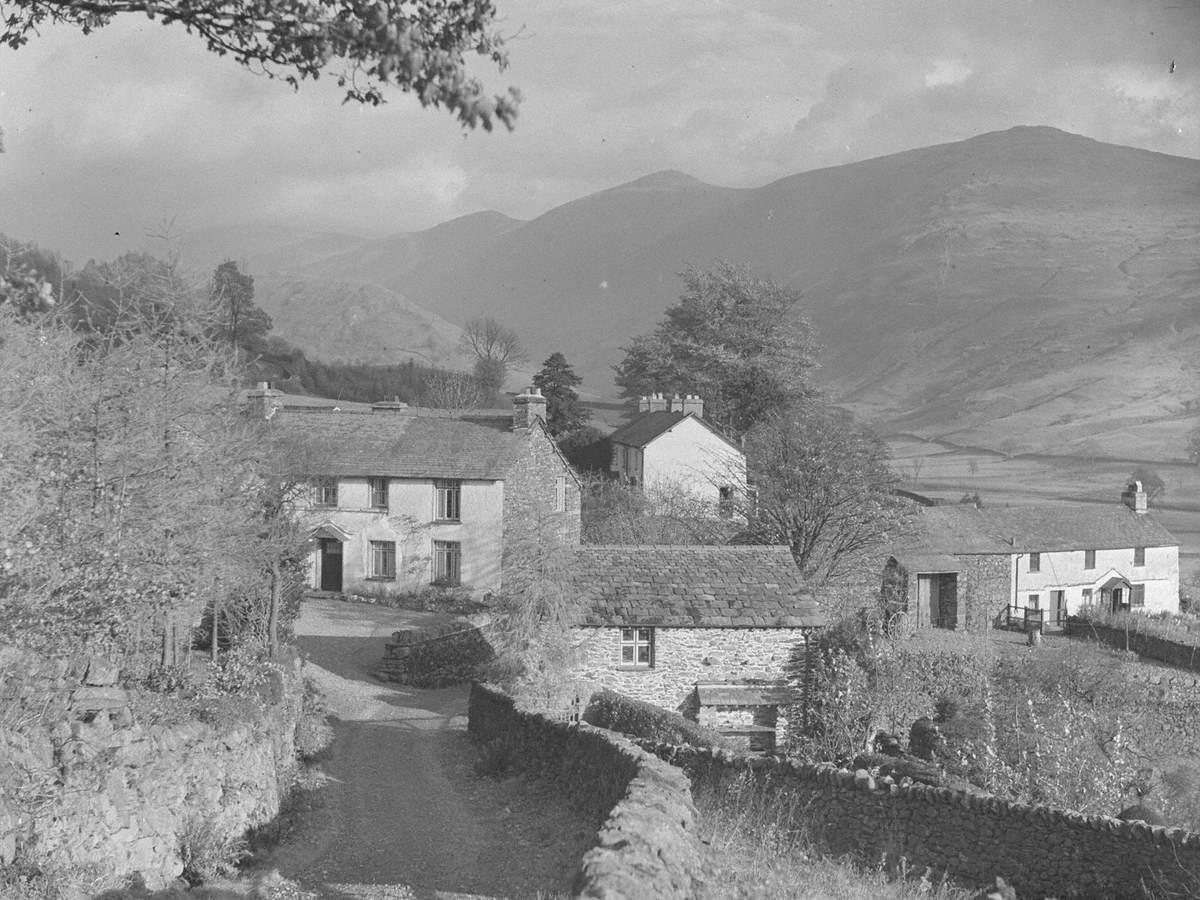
[[402, 444], [965, 530], [645, 427], [691, 586]]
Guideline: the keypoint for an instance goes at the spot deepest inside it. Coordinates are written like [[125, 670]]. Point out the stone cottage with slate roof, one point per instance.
[[404, 497], [669, 447], [705, 630], [977, 568]]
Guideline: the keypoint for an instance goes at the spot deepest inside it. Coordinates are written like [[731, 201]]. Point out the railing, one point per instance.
[[1022, 618]]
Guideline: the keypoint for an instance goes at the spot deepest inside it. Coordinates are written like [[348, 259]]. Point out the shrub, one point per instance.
[[616, 712], [209, 852], [313, 732]]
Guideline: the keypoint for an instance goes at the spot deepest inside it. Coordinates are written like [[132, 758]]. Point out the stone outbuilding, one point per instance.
[[709, 631]]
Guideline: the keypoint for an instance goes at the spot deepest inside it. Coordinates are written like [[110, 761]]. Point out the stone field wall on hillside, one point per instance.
[[86, 787], [1039, 850], [1174, 653], [647, 846]]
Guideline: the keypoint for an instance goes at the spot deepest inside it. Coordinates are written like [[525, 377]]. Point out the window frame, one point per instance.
[[385, 551], [1033, 601], [1137, 596], [377, 488], [1089, 559], [1088, 596], [447, 563], [324, 487], [635, 639], [1139, 556], [447, 500], [725, 497], [1035, 562]]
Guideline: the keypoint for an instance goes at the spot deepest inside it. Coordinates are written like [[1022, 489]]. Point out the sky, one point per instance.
[[116, 139]]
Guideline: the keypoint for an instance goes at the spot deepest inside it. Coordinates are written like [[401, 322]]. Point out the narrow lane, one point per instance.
[[404, 813]]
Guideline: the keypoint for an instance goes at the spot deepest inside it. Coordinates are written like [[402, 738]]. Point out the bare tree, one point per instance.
[[495, 347], [452, 390]]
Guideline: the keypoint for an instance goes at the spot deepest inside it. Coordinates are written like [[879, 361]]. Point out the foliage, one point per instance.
[[616, 712], [418, 47], [240, 322], [208, 851], [124, 473], [1152, 482], [452, 390], [734, 339], [28, 275], [587, 449], [614, 512], [495, 347], [314, 735], [824, 488], [557, 380]]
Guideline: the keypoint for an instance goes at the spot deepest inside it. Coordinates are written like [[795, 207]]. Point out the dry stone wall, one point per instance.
[[1174, 653], [435, 656], [646, 845], [1039, 850], [87, 787]]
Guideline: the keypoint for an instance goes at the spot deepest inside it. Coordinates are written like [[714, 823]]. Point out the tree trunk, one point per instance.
[[216, 629], [273, 613]]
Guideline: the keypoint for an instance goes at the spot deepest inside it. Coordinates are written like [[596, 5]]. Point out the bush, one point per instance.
[[209, 853], [313, 732], [616, 712]]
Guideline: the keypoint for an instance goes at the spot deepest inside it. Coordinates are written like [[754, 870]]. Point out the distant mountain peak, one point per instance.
[[666, 180]]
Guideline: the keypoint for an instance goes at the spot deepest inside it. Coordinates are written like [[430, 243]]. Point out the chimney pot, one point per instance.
[[1135, 498], [527, 407], [262, 401]]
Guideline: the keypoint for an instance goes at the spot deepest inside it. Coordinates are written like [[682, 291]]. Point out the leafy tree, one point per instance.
[[558, 381], [495, 347], [615, 512], [1152, 482], [28, 276], [824, 487], [239, 320], [732, 338], [417, 46], [452, 390]]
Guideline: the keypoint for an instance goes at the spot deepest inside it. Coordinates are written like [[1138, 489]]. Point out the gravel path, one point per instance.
[[403, 813]]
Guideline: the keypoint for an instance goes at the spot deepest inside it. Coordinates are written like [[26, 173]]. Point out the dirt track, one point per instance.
[[404, 814]]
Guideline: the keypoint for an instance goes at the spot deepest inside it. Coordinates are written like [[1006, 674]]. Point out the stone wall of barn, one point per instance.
[[531, 489]]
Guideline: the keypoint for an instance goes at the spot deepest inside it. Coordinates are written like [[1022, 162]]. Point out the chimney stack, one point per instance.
[[656, 402], [693, 403], [263, 401], [528, 406], [1135, 498]]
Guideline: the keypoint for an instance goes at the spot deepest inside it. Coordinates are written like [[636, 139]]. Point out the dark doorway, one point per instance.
[[331, 565]]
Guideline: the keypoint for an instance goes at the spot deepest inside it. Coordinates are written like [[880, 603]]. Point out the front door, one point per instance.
[[331, 565]]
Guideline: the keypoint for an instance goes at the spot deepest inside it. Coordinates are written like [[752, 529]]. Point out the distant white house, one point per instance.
[[668, 449], [971, 568]]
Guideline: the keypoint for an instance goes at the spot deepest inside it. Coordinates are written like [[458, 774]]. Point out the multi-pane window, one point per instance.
[[560, 493], [1035, 601], [325, 492], [1137, 596], [1139, 556], [1087, 596], [383, 559], [449, 499], [447, 563], [1035, 562], [378, 488], [637, 647], [1089, 559]]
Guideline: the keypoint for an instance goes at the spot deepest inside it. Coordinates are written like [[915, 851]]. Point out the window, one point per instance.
[[560, 493], [1137, 596], [1089, 559], [1139, 556], [449, 500], [1035, 562], [725, 502], [447, 563], [379, 492], [637, 647], [1087, 596], [1035, 601], [325, 492], [383, 560]]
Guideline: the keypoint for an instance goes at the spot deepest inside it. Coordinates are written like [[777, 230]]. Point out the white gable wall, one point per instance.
[[690, 458]]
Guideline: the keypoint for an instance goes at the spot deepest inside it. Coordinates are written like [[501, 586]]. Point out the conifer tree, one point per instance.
[[557, 380]]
